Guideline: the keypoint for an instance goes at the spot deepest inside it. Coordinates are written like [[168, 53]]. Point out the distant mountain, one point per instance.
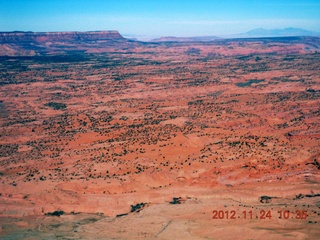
[[285, 32], [255, 33], [185, 39]]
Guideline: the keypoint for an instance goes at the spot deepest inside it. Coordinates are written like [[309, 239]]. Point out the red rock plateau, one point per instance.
[[106, 138]]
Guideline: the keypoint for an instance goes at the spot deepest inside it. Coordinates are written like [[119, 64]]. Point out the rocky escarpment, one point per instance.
[[42, 43], [22, 37]]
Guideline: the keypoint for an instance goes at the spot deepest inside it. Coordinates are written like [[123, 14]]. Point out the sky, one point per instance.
[[159, 17]]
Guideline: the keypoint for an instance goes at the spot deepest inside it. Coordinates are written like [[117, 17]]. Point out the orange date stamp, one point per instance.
[[262, 214]]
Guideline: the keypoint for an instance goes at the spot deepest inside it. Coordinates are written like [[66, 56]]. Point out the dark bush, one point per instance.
[[248, 83], [176, 201], [138, 207], [56, 106], [55, 213]]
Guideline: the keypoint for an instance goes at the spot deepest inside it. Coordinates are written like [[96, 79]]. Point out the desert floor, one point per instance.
[[213, 140]]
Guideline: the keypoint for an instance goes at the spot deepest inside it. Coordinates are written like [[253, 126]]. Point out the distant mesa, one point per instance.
[[20, 43], [18, 36], [47, 43]]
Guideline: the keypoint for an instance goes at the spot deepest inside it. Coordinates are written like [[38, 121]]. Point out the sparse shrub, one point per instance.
[[193, 51], [138, 207], [176, 200], [265, 199], [57, 213], [56, 106]]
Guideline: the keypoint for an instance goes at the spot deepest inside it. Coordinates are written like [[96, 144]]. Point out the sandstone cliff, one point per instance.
[[42, 43], [19, 37]]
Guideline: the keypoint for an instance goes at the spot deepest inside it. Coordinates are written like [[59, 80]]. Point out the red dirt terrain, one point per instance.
[[106, 138]]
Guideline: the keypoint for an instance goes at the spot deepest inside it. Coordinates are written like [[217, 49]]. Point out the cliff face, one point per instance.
[[42, 43], [18, 37]]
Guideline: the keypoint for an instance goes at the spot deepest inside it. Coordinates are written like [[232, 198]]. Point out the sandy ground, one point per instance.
[[155, 143]]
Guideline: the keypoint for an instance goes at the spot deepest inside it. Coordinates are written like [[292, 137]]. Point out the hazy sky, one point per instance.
[[158, 17]]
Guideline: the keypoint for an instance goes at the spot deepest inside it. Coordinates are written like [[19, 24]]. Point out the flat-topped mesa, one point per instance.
[[14, 37]]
